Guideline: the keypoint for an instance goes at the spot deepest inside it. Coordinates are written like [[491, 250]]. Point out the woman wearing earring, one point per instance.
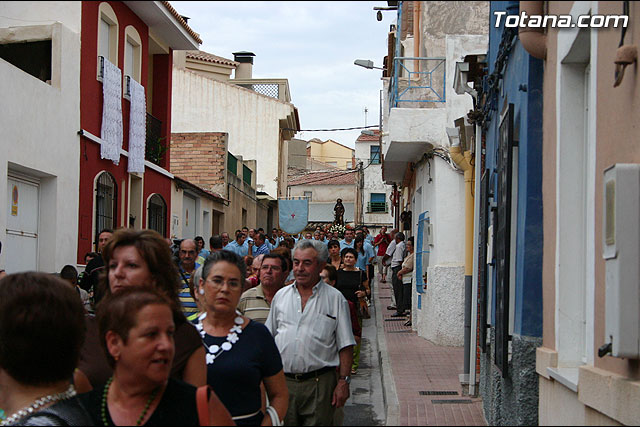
[[41, 332], [139, 258], [241, 353], [136, 328]]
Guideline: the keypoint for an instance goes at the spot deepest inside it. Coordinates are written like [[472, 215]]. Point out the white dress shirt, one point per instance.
[[311, 339]]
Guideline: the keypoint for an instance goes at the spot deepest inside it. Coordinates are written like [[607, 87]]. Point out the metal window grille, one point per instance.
[[157, 213], [154, 148], [375, 154], [271, 90], [482, 260], [106, 197], [503, 236]]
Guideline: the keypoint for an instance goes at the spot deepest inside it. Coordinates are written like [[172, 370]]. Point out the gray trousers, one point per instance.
[[310, 400], [397, 288]]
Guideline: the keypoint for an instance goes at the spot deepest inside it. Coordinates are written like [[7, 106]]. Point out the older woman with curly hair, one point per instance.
[[141, 258]]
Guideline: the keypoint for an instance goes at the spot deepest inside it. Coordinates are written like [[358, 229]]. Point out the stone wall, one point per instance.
[[512, 400]]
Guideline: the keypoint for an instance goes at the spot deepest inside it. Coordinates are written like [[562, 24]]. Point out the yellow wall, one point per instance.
[[330, 152]]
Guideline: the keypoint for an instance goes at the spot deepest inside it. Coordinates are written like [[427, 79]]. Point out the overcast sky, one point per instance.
[[313, 44]]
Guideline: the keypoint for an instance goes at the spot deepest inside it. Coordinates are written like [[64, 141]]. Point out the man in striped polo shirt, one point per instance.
[[255, 303], [188, 265]]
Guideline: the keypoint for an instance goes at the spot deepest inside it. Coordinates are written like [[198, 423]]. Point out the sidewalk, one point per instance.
[[414, 370]]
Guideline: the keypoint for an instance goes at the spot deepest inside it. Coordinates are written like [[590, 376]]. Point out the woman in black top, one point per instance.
[[351, 280], [136, 329]]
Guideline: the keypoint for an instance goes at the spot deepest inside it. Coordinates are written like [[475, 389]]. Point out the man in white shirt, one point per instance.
[[311, 324], [396, 252]]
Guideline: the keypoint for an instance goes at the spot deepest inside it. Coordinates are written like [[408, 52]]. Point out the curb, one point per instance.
[[389, 394]]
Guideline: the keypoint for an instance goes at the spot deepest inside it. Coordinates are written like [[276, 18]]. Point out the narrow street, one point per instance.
[[404, 379]]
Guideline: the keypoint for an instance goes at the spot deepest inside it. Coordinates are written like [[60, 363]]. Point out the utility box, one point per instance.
[[621, 251]]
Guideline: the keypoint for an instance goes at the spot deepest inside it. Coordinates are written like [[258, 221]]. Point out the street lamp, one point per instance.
[[366, 63]]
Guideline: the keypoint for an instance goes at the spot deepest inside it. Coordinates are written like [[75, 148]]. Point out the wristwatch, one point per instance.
[[346, 378]]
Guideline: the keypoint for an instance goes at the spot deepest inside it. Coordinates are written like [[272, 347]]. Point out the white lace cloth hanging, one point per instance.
[[111, 131], [137, 127]]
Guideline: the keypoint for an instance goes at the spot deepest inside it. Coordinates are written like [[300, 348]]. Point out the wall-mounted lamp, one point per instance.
[[380, 9], [366, 63]]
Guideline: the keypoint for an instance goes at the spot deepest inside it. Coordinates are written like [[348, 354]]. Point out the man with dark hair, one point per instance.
[[239, 246], [255, 303], [215, 243], [262, 247], [70, 274], [96, 265]]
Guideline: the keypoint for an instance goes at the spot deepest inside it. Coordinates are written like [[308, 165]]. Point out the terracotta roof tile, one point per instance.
[[182, 22], [370, 138], [209, 57], [338, 177]]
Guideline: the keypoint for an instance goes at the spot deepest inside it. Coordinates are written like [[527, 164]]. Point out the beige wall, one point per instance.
[[609, 389], [330, 151]]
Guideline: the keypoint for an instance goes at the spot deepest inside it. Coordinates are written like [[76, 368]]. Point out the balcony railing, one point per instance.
[[418, 80], [273, 88], [155, 147], [377, 207]]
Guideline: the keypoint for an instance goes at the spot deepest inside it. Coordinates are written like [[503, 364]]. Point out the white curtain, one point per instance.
[[137, 127], [111, 132]]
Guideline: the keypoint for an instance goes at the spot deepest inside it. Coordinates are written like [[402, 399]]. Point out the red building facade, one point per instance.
[[110, 197]]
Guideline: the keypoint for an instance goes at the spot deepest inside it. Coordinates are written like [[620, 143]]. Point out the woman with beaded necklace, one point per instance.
[[241, 353], [41, 332], [137, 327]]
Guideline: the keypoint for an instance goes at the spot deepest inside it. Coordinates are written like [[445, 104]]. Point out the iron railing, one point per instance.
[[155, 147], [377, 207], [418, 80]]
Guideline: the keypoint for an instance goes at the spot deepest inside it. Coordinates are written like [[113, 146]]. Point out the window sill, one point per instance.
[[568, 377]]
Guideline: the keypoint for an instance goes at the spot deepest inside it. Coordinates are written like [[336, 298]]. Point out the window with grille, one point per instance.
[[157, 214], [378, 203], [308, 195], [503, 238], [375, 155], [106, 197]]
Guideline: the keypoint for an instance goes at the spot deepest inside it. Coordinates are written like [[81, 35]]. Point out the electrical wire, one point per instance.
[[332, 130]]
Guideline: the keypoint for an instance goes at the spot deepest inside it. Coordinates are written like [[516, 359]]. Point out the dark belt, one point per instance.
[[308, 375]]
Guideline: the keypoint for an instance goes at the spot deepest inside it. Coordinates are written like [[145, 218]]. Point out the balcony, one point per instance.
[[155, 147], [416, 100], [273, 88], [377, 207], [418, 82]]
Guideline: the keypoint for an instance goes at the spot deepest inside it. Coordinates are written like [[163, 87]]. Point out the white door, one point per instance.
[[21, 248], [188, 217]]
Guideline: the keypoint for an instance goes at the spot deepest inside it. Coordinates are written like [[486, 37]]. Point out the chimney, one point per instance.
[[245, 69]]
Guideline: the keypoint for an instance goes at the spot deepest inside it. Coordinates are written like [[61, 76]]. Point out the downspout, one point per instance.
[[534, 40], [416, 35], [464, 162]]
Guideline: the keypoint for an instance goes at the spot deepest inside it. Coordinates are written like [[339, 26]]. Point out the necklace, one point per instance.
[[39, 403], [213, 351], [103, 405]]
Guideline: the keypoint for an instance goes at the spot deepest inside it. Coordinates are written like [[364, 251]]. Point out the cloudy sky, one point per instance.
[[313, 44]]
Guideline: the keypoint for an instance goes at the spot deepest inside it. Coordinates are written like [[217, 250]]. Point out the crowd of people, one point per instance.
[[258, 330]]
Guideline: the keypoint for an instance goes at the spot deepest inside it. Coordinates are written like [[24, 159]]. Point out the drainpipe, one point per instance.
[[416, 35], [534, 40], [464, 162]]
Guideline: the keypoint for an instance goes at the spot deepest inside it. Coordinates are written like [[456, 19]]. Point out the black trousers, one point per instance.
[[407, 292], [398, 292]]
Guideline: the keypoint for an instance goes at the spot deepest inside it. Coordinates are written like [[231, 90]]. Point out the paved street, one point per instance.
[[403, 377]]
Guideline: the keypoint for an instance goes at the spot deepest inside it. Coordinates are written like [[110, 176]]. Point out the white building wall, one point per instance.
[[201, 104], [39, 123], [373, 183]]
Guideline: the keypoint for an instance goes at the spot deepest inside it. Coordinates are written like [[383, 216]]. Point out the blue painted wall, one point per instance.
[[521, 85]]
